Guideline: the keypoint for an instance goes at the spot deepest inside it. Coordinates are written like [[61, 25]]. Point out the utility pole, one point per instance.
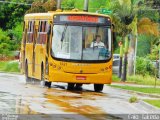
[[58, 4], [86, 3], [135, 56]]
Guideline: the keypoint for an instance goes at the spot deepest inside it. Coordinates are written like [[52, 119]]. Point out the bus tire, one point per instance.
[[48, 84], [43, 82], [70, 86], [98, 87], [78, 86], [27, 79]]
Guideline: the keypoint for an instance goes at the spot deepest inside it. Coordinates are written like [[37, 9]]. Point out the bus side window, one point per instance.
[[30, 31], [28, 37], [39, 32], [24, 33], [42, 32]]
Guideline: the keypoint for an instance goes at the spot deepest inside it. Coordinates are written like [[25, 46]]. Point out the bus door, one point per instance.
[[35, 32], [29, 47], [48, 30], [40, 48]]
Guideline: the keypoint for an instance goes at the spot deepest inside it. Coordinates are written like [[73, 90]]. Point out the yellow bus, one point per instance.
[[70, 47]]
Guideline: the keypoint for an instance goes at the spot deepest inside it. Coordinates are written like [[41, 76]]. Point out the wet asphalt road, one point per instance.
[[16, 97]]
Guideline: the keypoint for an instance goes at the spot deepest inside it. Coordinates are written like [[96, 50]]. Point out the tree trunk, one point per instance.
[[120, 67], [124, 75], [131, 56], [120, 61], [124, 78], [159, 65]]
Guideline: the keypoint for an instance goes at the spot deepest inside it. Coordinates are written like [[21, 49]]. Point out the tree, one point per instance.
[[68, 4], [121, 20], [94, 5], [5, 42], [11, 13], [146, 26], [151, 30], [42, 6], [124, 16]]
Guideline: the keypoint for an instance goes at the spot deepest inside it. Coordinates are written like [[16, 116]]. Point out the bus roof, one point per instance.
[[50, 14]]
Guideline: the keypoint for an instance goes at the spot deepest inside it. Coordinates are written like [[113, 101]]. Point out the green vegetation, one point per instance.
[[9, 66], [11, 14], [144, 66], [7, 45], [94, 5], [133, 99], [143, 46], [138, 79], [154, 102], [150, 90]]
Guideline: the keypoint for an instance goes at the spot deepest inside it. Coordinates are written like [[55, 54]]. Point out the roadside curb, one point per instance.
[[139, 93], [149, 106], [132, 84], [145, 94], [15, 73], [143, 103]]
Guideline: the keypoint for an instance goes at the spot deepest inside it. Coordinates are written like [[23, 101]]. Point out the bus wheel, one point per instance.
[[78, 86], [98, 87], [70, 86], [26, 74], [48, 84], [43, 82]]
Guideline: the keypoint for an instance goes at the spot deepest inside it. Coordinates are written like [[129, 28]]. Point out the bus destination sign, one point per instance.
[[82, 19]]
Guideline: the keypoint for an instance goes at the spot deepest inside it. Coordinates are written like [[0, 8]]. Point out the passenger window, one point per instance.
[[42, 32], [30, 33]]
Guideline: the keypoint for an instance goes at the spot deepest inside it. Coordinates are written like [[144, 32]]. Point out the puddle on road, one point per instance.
[[23, 106], [12, 104], [67, 102], [73, 102]]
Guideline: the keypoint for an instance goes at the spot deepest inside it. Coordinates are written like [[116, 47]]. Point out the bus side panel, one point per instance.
[[40, 59], [29, 58]]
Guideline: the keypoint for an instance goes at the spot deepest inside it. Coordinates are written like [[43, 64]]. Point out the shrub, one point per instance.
[[143, 45], [133, 99], [144, 67]]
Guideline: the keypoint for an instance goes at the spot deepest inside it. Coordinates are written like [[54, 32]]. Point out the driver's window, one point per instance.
[[89, 33]]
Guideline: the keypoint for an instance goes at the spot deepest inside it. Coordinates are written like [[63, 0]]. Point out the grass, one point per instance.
[[154, 102], [150, 90], [138, 79], [8, 66]]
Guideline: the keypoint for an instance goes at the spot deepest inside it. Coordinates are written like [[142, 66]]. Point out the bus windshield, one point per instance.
[[81, 43]]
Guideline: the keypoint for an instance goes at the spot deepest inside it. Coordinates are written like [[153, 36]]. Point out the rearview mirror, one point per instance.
[[49, 29], [113, 33]]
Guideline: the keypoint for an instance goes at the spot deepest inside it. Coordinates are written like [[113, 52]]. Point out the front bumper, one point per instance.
[[99, 78]]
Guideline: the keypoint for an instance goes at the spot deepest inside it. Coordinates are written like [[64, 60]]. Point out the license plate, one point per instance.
[[80, 77]]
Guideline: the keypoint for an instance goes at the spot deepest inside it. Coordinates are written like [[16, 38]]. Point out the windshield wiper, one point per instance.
[[63, 34]]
